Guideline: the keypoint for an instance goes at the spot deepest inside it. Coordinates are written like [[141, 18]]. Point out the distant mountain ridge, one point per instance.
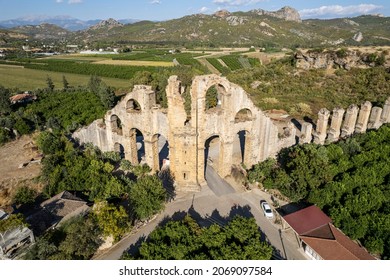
[[282, 28], [66, 22]]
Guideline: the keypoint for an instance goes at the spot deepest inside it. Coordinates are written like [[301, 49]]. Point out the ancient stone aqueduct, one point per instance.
[[240, 132]]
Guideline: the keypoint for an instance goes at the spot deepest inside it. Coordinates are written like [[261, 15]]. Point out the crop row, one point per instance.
[[112, 71]]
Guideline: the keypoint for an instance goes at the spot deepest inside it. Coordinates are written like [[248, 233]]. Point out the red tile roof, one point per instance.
[[307, 219], [20, 97], [338, 248]]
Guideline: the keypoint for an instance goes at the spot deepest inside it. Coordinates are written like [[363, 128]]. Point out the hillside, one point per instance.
[[283, 28], [43, 31]]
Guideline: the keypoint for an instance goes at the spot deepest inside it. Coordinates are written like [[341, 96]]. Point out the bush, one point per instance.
[[24, 195]]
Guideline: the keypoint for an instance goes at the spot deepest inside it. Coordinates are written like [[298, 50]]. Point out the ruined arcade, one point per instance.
[[231, 133]]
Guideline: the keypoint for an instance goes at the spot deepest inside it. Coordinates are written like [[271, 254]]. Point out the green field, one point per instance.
[[30, 79]]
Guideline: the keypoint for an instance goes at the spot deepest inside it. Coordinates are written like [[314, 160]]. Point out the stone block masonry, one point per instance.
[[233, 132]]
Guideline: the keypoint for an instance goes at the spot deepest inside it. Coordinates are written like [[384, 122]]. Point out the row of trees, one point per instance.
[[349, 180], [64, 109], [186, 240]]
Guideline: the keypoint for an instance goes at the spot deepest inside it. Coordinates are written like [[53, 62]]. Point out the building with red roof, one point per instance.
[[320, 239]]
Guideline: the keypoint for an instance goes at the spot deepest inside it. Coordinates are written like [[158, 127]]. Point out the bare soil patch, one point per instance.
[[13, 155]]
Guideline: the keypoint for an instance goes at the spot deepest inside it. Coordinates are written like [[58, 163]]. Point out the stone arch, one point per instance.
[[118, 148], [212, 150], [133, 106], [137, 146], [160, 148], [214, 96], [244, 115], [116, 124], [242, 145]]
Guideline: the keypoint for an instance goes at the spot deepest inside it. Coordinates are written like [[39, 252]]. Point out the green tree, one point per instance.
[[50, 143], [94, 84], [50, 84], [82, 238], [5, 104], [147, 197], [13, 221], [5, 135], [43, 249], [112, 220], [65, 83], [186, 240], [22, 126], [211, 97], [24, 195]]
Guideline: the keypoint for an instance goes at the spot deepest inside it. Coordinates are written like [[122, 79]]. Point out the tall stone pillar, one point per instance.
[[248, 151], [375, 118], [151, 154], [385, 117], [225, 158], [350, 121], [337, 119], [306, 133], [364, 115], [322, 126], [133, 148]]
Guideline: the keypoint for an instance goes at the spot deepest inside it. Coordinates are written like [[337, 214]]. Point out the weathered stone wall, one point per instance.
[[187, 137]]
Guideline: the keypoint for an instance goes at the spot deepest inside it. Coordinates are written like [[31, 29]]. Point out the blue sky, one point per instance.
[[168, 9]]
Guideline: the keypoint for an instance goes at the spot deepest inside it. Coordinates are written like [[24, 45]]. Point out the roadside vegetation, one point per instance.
[[348, 180], [186, 240]]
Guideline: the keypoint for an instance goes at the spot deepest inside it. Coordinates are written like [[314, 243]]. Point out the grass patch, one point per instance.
[[30, 79]]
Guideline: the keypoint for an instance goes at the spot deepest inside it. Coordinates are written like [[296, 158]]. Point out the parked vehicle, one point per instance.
[[266, 209]]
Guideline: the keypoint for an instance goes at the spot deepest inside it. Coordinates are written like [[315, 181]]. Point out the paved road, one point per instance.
[[207, 207], [219, 186]]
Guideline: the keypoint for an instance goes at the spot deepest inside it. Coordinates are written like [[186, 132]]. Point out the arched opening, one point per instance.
[[240, 147], [132, 106], [214, 97], [137, 146], [244, 115], [160, 152], [118, 148], [211, 153], [116, 124]]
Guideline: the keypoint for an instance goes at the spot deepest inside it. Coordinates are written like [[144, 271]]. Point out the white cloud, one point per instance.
[[203, 9], [236, 2], [75, 1], [337, 10], [155, 2]]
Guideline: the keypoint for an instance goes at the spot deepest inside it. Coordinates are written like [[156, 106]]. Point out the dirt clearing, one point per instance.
[[13, 155]]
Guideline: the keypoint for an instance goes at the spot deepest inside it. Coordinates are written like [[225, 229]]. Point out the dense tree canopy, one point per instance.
[[77, 239], [147, 196], [349, 180], [186, 240]]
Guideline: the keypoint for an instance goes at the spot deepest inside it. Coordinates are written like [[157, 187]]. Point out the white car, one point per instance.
[[266, 209]]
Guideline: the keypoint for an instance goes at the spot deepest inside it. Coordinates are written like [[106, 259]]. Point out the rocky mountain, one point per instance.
[[66, 22], [44, 31], [286, 13], [282, 28], [342, 58], [106, 24]]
